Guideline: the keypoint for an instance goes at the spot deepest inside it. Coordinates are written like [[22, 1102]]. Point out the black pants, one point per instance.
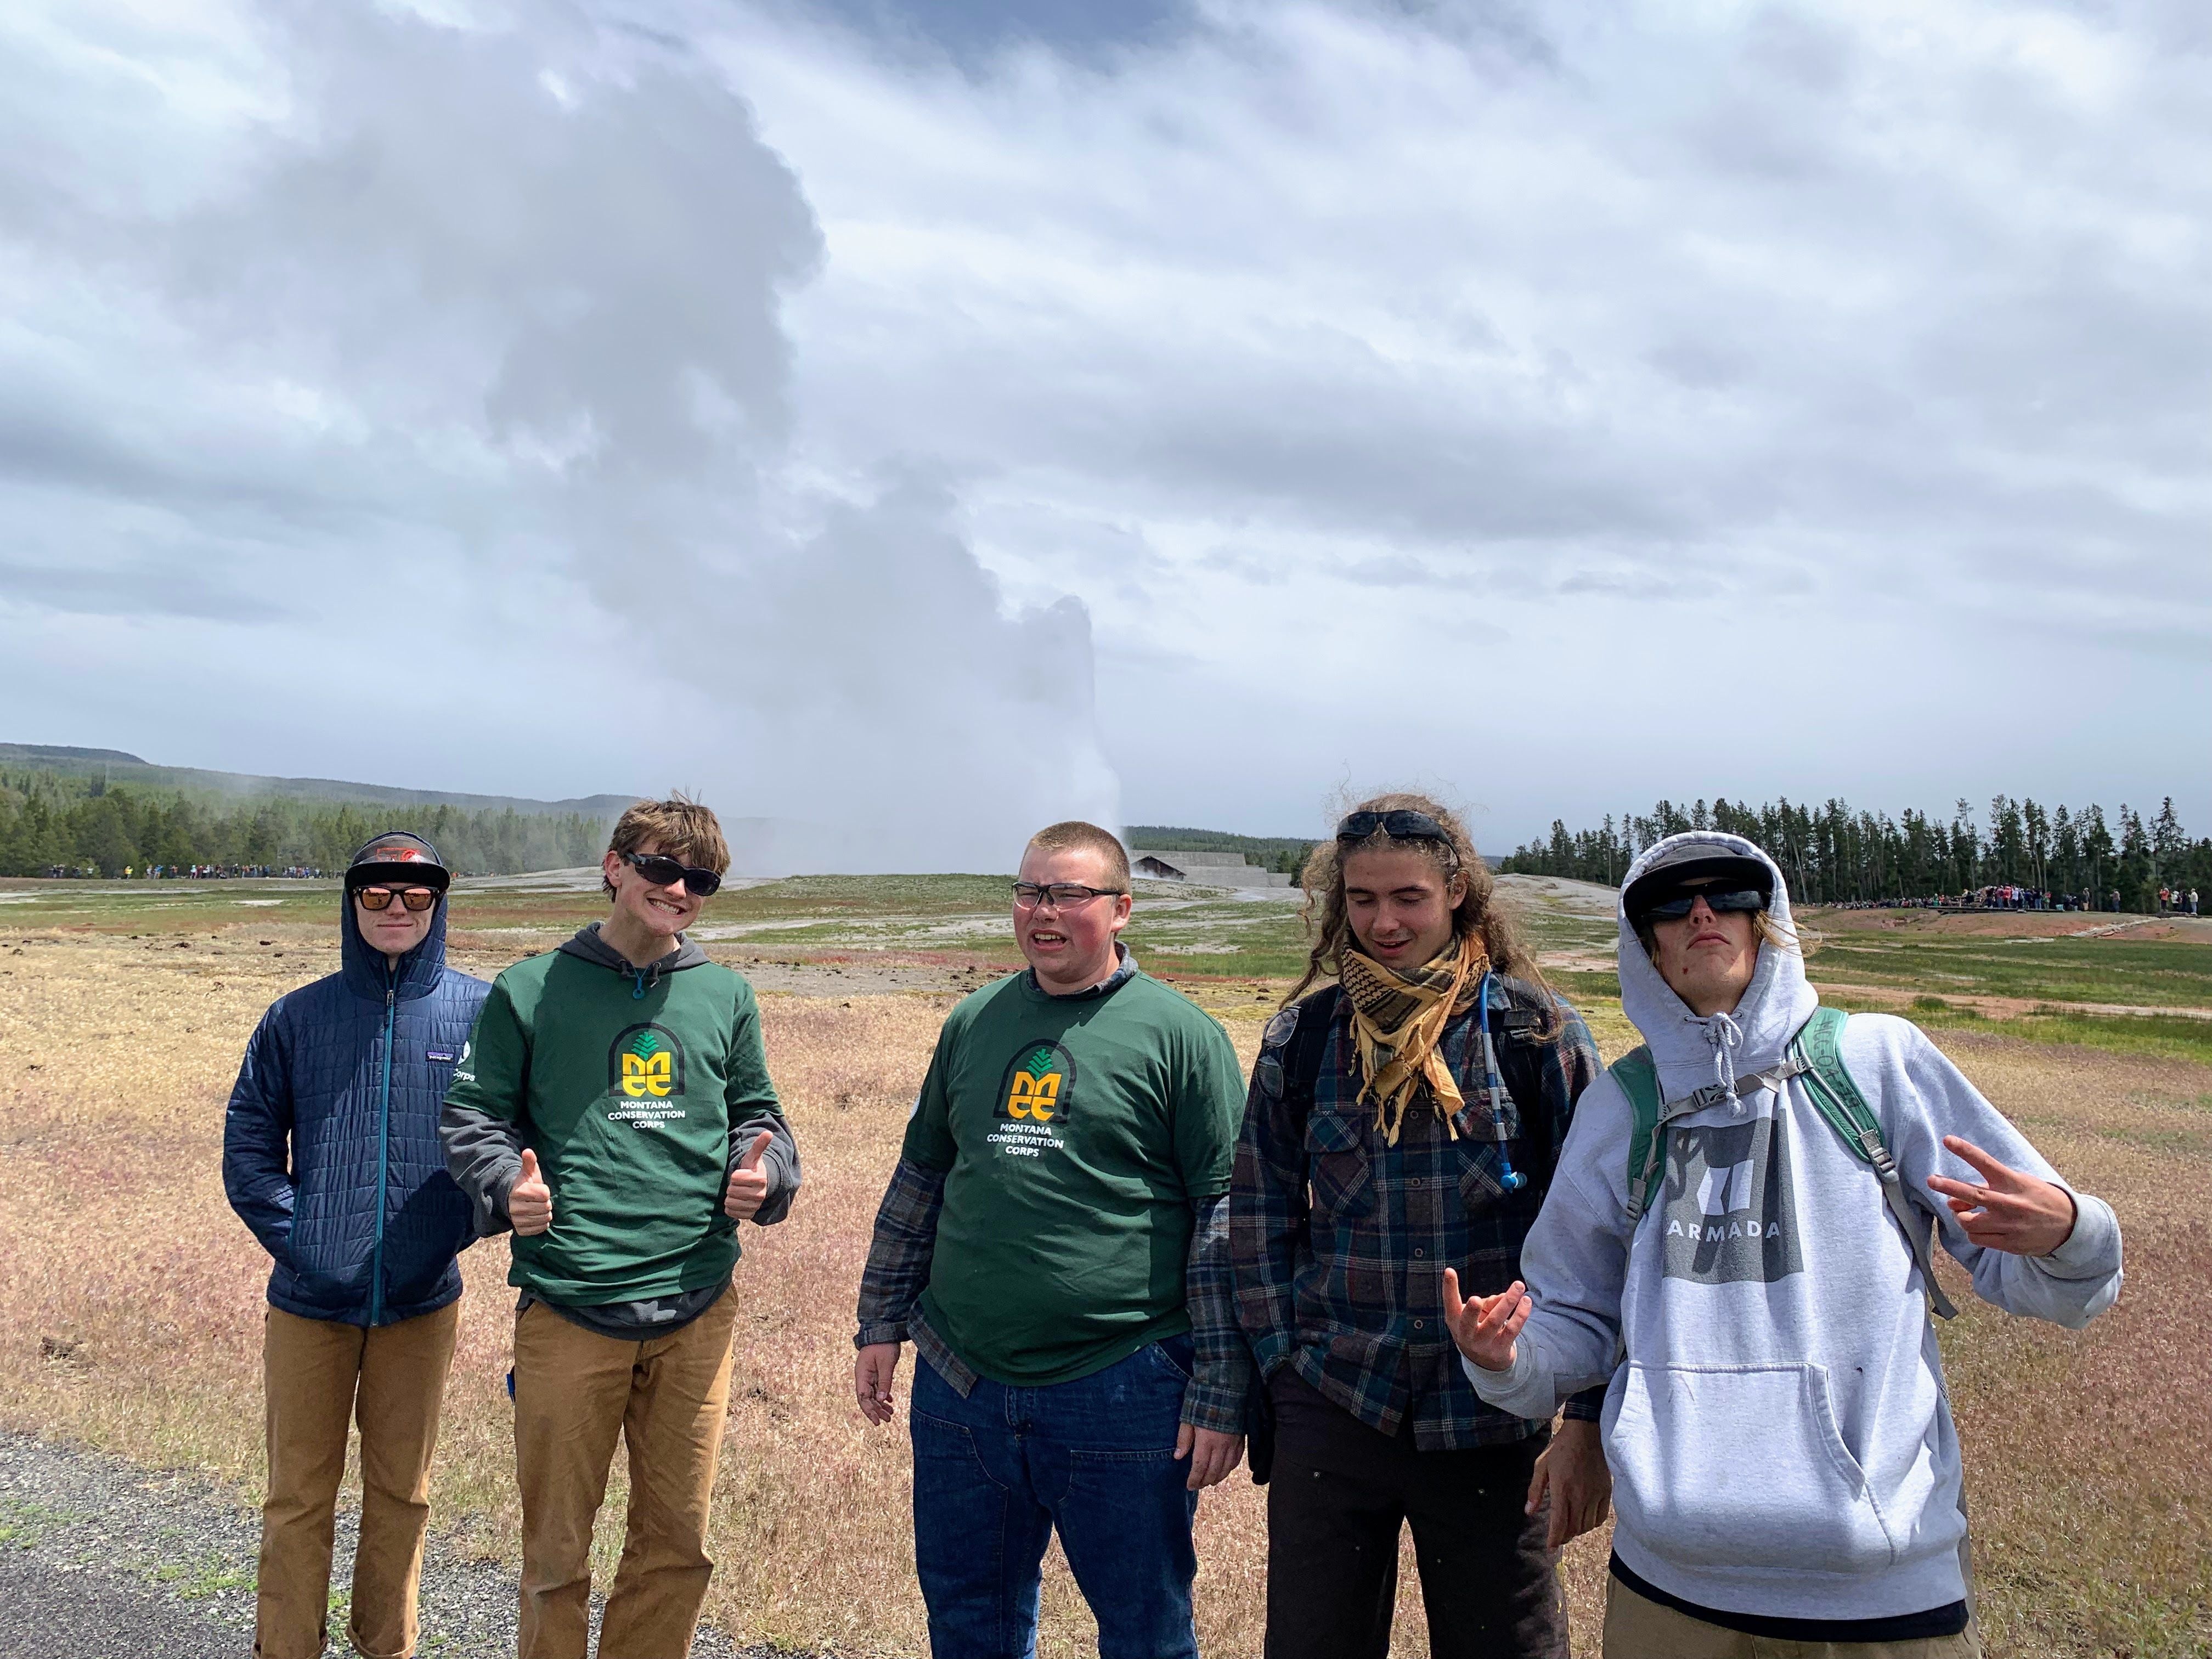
[[1339, 1494]]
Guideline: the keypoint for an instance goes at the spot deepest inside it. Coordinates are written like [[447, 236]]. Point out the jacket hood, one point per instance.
[[588, 945], [362, 965], [1693, 1052]]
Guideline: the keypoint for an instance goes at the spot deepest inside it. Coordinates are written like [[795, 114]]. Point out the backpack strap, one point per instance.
[[1638, 1077], [1302, 1054], [1819, 1044], [1289, 1066]]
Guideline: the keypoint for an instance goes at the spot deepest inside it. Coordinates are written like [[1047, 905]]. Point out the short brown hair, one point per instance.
[[683, 829], [1075, 833]]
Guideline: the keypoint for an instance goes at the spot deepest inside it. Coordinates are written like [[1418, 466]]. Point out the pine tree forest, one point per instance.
[[52, 824], [2080, 858]]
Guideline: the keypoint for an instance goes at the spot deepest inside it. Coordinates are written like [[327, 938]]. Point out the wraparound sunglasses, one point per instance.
[[662, 870], [1674, 909]]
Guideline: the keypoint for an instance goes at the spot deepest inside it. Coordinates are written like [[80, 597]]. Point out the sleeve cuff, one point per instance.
[[1212, 1409], [2092, 1250], [1588, 1407], [887, 1330], [1500, 1388]]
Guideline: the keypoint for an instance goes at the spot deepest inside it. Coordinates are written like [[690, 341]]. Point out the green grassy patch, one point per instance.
[[2162, 1036], [22, 1524], [196, 1580], [2157, 974]]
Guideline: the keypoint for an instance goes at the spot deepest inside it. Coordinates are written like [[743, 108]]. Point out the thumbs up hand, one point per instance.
[[748, 1181], [529, 1200]]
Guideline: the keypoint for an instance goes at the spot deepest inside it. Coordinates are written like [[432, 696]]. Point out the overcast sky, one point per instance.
[[930, 418]]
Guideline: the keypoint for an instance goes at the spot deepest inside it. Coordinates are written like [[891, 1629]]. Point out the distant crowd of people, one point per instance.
[[219, 871], [2005, 896]]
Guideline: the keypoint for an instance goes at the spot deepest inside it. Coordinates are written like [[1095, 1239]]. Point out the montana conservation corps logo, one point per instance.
[[1039, 1084], [1034, 1097], [645, 1067]]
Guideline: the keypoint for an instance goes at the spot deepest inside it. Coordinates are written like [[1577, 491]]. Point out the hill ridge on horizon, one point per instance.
[[118, 766]]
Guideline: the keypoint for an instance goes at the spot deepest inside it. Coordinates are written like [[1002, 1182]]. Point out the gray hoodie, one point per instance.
[[1779, 1435]]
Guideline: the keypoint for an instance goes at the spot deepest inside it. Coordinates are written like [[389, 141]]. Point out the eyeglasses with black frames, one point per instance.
[[1064, 895]]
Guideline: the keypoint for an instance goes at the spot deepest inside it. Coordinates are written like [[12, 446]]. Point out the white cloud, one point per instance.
[[467, 351], [1573, 406], [1649, 332]]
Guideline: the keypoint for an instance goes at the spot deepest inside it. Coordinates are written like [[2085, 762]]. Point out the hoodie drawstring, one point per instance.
[[1725, 1037]]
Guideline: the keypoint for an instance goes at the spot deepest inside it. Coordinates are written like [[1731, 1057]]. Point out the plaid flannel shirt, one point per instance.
[[897, 1271], [1346, 1286]]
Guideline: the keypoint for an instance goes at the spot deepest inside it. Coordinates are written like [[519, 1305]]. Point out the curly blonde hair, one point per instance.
[[1476, 917]]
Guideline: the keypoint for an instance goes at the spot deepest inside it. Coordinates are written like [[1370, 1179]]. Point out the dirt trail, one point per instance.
[[2008, 1007], [102, 1559]]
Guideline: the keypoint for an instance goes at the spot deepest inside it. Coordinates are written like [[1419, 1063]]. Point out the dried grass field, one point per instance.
[[131, 1298]]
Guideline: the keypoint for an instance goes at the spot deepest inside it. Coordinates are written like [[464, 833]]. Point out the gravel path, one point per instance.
[[101, 1560]]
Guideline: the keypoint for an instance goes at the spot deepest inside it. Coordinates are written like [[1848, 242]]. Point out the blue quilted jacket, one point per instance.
[[329, 1148]]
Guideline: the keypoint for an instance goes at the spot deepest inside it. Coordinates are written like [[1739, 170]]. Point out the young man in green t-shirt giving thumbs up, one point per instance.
[[613, 1107], [1055, 1244]]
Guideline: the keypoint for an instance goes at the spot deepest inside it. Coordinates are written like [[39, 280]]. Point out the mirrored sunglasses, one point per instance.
[[1674, 909], [380, 898]]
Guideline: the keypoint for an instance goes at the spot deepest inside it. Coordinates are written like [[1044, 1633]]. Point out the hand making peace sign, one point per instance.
[[2008, 1209]]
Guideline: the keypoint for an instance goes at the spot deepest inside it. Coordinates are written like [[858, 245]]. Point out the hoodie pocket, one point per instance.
[[1730, 1466], [1338, 1164]]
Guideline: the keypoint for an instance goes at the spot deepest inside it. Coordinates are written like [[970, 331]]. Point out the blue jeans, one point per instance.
[[994, 1475]]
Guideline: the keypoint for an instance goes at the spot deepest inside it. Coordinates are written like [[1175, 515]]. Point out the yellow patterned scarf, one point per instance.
[[1396, 1020]]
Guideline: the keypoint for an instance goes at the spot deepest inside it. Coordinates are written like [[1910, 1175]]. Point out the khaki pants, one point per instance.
[[575, 1391], [1637, 1628], [317, 1374]]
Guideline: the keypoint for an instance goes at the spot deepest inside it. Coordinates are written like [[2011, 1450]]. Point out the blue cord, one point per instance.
[[1511, 1179]]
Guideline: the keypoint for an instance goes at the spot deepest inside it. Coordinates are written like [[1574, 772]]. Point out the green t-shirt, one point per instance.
[[1076, 1132], [627, 1101]]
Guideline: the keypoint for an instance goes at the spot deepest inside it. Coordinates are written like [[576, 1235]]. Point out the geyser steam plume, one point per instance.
[[516, 292]]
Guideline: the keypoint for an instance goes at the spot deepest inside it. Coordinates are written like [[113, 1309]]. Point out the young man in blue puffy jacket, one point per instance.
[[331, 1155]]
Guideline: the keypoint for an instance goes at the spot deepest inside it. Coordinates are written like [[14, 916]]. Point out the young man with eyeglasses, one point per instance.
[[1738, 1244], [331, 1155], [1053, 1242], [614, 1108]]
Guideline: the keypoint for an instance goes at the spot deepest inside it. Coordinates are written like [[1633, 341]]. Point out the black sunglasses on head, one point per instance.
[[662, 872], [1675, 908], [1400, 825], [417, 899]]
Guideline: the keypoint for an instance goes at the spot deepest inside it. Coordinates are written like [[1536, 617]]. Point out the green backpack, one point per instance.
[[1815, 1053]]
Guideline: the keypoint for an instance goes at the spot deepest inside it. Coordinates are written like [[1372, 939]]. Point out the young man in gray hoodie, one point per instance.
[[1785, 1468]]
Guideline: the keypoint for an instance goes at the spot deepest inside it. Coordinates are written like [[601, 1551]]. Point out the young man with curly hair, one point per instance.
[[1404, 1121]]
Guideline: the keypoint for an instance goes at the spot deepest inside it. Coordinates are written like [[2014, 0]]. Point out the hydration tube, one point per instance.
[[1511, 1178]]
